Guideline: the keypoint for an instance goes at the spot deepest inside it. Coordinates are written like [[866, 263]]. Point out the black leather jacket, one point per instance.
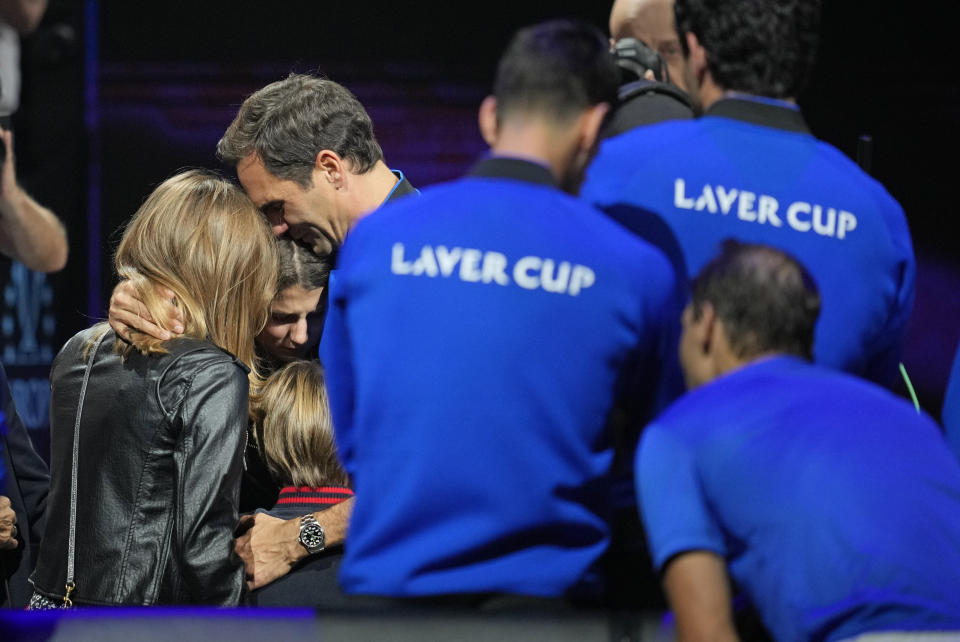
[[160, 461]]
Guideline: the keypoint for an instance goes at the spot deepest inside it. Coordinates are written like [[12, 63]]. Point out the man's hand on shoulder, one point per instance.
[[8, 525], [128, 313]]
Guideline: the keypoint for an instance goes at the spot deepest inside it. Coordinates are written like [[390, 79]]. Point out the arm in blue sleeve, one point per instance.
[[673, 508], [883, 362], [951, 407], [335, 353]]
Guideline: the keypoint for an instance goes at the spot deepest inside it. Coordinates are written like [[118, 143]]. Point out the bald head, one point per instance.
[[650, 21]]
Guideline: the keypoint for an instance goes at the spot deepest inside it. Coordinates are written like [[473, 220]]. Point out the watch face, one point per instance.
[[311, 536]]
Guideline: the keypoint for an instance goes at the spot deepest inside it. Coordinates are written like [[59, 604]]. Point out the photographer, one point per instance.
[[647, 50]]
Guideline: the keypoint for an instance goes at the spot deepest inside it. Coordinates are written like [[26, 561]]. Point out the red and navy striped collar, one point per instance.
[[311, 496]]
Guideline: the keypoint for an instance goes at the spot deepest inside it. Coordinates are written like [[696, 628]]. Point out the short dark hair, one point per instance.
[[557, 68], [760, 47], [767, 300], [289, 122]]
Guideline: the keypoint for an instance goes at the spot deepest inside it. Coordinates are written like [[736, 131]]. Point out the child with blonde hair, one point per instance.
[[294, 432]]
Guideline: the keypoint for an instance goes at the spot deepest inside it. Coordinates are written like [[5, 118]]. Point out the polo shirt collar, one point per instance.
[[758, 110], [514, 168], [402, 187]]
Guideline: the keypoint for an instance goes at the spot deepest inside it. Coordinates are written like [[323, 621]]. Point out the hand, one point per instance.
[[8, 525], [127, 313], [269, 548]]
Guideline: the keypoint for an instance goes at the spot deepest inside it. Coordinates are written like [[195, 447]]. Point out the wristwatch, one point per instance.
[[312, 536]]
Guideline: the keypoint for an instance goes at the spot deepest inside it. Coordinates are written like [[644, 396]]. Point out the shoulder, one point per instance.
[[640, 141], [624, 156], [76, 348], [380, 224], [395, 211], [644, 103], [704, 409], [198, 355], [870, 192], [195, 364]]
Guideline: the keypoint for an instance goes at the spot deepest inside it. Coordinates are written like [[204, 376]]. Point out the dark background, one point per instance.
[[118, 95]]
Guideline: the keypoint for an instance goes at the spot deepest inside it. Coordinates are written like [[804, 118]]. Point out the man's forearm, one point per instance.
[[270, 547], [335, 521], [699, 593], [32, 234]]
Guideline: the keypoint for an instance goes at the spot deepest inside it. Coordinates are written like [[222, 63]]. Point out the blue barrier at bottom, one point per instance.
[[148, 624]]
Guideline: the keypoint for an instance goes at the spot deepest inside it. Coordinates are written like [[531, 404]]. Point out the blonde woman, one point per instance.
[[295, 434], [143, 501]]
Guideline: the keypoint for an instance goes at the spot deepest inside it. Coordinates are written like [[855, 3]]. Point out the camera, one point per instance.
[[634, 58]]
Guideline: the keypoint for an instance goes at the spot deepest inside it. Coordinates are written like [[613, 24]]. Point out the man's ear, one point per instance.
[[705, 327], [698, 57], [591, 121], [487, 119], [329, 167]]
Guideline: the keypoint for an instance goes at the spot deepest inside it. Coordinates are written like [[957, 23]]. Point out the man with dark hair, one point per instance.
[[515, 317], [306, 154], [832, 504], [750, 169]]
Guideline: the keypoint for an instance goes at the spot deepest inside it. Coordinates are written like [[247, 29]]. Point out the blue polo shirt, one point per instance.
[[478, 339], [951, 406], [835, 505], [750, 169]]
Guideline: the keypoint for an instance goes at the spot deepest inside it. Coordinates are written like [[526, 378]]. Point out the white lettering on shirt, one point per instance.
[[764, 209], [478, 266]]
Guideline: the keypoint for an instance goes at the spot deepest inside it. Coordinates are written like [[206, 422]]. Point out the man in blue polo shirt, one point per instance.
[[476, 342], [832, 504], [750, 169]]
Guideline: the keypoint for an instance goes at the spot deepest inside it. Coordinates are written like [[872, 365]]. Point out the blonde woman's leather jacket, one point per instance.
[[159, 467]]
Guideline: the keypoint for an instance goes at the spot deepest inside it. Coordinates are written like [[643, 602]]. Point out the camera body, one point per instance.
[[634, 58]]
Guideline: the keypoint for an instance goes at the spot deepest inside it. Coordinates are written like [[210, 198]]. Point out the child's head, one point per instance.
[[292, 424]]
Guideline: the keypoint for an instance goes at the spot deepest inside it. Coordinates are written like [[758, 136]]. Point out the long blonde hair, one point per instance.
[[293, 428], [200, 236]]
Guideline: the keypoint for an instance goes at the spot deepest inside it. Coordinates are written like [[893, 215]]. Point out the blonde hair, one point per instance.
[[293, 427], [200, 236]]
